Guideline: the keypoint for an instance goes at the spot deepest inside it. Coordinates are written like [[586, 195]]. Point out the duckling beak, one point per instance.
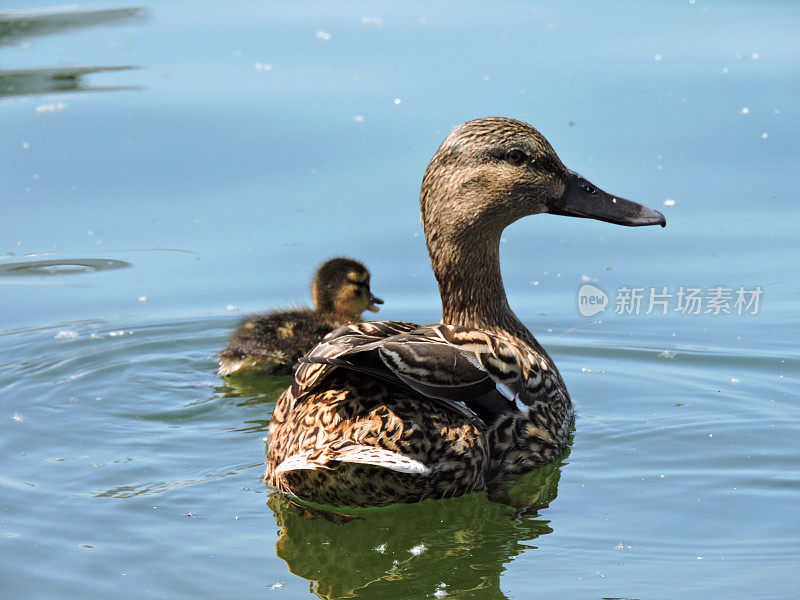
[[582, 199], [373, 300]]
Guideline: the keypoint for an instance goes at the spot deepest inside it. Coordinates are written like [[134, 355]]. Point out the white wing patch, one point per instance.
[[370, 455], [356, 454], [506, 391], [297, 462]]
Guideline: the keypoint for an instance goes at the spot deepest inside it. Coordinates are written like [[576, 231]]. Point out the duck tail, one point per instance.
[[331, 455]]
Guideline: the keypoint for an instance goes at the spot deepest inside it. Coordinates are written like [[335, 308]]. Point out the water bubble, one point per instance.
[[371, 21], [745, 110], [621, 546], [67, 334], [657, 58], [397, 101], [725, 70], [50, 107], [323, 36], [669, 202], [417, 550], [764, 135], [263, 67], [359, 118]]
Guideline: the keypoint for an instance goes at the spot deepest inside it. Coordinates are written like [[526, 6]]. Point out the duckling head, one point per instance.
[[493, 171], [341, 286]]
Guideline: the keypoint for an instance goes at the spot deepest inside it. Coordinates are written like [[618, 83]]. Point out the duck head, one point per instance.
[[487, 174], [493, 171], [341, 286]]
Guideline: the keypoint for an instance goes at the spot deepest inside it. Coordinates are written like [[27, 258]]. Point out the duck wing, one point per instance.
[[472, 372], [323, 358]]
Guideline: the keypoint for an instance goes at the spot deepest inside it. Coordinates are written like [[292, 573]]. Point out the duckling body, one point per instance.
[[386, 412], [272, 343]]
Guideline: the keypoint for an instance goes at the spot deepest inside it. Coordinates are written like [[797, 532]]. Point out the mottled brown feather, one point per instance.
[[472, 399]]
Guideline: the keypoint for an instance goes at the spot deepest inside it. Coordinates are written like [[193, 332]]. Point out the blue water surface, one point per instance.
[[169, 166]]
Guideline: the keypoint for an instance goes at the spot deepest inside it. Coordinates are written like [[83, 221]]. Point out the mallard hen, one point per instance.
[[386, 412]]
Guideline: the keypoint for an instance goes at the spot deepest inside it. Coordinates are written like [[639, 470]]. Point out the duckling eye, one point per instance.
[[516, 157], [588, 189]]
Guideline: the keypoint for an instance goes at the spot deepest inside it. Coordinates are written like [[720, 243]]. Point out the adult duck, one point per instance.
[[272, 343], [387, 412]]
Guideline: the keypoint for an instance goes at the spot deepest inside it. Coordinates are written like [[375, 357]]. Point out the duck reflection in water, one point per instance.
[[458, 547]]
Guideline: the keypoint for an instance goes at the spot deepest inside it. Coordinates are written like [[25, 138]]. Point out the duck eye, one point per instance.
[[586, 187], [516, 157]]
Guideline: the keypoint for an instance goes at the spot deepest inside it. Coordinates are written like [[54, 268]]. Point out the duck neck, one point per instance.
[[467, 269]]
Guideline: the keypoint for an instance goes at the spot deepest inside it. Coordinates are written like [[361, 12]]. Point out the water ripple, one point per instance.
[[60, 267]]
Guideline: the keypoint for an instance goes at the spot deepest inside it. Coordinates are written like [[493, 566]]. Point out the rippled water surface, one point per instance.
[[170, 166]]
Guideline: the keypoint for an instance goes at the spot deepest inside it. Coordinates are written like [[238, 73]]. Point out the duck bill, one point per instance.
[[582, 199], [373, 302]]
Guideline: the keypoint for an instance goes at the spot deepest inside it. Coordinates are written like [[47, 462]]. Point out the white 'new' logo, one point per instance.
[[591, 300]]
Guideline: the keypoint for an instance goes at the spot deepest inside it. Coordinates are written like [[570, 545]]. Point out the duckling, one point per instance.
[[387, 412], [273, 342]]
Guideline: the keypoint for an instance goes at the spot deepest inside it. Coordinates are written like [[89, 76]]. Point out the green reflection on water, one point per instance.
[[18, 25], [255, 389], [459, 545], [26, 82]]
